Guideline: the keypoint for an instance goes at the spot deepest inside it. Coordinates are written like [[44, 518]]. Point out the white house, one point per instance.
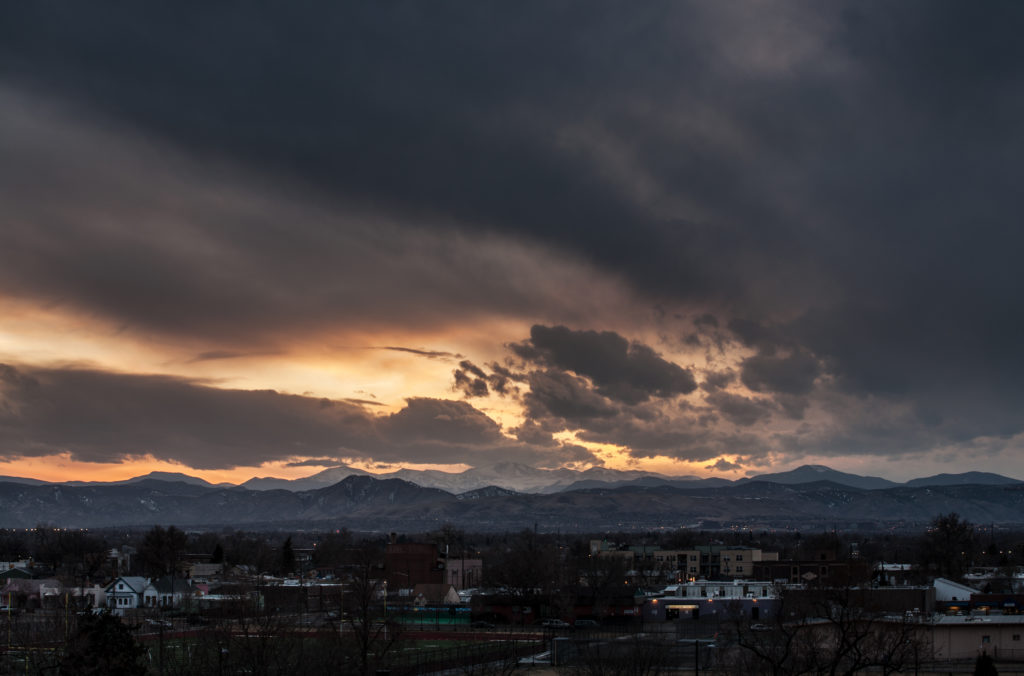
[[127, 592]]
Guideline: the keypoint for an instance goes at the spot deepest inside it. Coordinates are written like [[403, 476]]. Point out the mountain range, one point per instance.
[[525, 479], [617, 502]]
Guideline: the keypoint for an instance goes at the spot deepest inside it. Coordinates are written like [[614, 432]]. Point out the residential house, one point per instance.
[[31, 593], [125, 593], [89, 597], [172, 592]]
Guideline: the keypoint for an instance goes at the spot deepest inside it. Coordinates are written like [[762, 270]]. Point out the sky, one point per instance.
[[695, 238]]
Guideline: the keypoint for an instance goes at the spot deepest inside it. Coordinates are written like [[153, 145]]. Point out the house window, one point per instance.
[[739, 557], [739, 569], [1016, 637], [693, 557], [986, 639]]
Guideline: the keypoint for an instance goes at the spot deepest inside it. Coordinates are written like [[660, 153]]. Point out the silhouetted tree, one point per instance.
[[103, 646], [369, 625], [333, 549], [949, 546], [287, 557], [985, 666], [161, 548]]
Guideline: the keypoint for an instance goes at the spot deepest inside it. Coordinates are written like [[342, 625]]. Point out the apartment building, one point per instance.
[[709, 562]]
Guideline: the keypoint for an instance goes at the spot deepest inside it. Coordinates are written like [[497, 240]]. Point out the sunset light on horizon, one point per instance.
[[713, 239]]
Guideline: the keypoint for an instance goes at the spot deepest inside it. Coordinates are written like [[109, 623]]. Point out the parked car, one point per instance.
[[480, 624], [586, 624], [555, 624]]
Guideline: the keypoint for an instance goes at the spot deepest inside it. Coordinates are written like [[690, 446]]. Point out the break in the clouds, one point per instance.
[[764, 230]]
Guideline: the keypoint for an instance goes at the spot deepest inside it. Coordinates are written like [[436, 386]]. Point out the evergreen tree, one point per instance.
[[287, 557], [985, 666], [103, 646]]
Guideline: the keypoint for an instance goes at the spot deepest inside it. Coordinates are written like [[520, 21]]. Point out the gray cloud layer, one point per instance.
[[99, 416], [837, 184]]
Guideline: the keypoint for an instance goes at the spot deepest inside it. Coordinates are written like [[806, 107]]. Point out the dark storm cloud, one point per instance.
[[716, 380], [765, 338], [470, 386], [452, 421], [313, 462], [626, 372], [739, 410], [845, 175], [105, 417], [473, 381], [707, 319], [792, 406], [793, 374], [113, 226], [723, 465], [533, 432], [563, 395]]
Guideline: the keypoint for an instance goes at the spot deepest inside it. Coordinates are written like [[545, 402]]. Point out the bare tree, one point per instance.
[[825, 631], [372, 629]]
